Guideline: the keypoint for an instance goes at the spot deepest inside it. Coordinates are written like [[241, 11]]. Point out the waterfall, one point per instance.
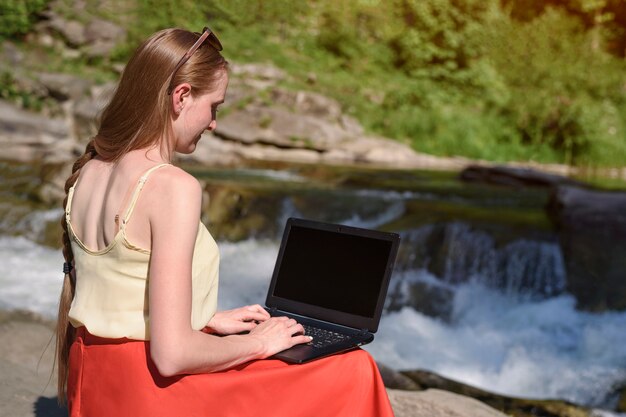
[[434, 260]]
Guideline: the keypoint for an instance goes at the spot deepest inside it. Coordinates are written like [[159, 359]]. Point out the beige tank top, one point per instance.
[[111, 296]]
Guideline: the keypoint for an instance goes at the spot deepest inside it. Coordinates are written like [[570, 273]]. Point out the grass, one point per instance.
[[434, 117]]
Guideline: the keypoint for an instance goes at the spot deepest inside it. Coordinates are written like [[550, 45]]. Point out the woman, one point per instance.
[[139, 265]]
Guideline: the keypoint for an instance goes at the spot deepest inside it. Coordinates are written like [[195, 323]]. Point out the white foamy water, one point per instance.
[[30, 275], [498, 342]]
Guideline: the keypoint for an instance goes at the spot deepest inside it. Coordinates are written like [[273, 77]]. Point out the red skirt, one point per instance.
[[116, 377]]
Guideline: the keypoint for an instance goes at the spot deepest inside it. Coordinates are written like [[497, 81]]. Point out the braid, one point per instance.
[[65, 331]]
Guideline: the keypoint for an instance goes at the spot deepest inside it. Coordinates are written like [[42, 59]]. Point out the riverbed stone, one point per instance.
[[513, 176], [592, 232], [519, 407]]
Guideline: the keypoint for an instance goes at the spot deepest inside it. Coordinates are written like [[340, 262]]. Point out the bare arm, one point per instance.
[[176, 348]]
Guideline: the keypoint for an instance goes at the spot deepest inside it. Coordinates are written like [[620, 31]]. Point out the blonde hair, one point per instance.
[[137, 117]]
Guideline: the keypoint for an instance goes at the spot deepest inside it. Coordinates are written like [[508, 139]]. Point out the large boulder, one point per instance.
[[519, 407], [27, 136], [592, 233]]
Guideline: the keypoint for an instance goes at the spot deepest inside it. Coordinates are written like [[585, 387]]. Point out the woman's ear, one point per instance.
[[179, 97]]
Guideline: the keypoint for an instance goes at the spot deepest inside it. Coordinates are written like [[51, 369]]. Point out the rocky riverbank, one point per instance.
[[27, 389]]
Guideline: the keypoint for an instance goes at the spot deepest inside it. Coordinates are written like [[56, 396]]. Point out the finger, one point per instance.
[[257, 308], [296, 340], [297, 330], [254, 315]]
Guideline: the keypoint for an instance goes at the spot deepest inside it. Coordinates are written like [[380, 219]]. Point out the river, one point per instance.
[[478, 293]]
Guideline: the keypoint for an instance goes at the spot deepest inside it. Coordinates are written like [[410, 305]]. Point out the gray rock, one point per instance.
[[280, 128], [72, 31], [11, 55], [395, 380], [27, 136], [592, 233], [438, 403], [258, 71], [103, 30], [307, 103], [63, 87], [100, 48]]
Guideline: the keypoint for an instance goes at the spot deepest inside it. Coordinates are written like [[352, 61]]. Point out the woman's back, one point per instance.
[[103, 194]]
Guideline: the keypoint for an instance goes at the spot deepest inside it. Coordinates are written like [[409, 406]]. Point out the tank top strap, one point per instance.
[[68, 205], [135, 197]]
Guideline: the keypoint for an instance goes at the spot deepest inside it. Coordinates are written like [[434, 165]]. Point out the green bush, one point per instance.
[[564, 92], [18, 16]]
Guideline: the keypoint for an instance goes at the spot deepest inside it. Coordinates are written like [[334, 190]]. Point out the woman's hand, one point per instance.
[[279, 333], [236, 321]]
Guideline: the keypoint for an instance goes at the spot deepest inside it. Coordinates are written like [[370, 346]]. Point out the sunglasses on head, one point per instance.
[[208, 35]]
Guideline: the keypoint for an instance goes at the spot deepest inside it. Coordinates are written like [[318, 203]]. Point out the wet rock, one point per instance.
[[621, 401], [432, 299], [395, 380], [592, 233], [518, 407], [513, 176], [234, 213]]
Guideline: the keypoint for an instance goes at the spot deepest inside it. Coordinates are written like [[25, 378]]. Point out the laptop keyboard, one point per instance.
[[322, 337]]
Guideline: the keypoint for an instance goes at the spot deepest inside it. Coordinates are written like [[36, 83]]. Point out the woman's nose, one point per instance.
[[213, 125]]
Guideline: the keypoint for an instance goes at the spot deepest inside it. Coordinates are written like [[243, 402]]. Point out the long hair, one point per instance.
[[137, 117]]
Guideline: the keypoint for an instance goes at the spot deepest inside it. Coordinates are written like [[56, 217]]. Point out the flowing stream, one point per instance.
[[478, 293]]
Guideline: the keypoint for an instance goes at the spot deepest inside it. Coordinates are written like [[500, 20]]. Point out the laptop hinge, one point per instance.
[[273, 310], [363, 332]]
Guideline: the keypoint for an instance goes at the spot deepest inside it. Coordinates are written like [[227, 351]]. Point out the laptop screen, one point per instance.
[[341, 268]]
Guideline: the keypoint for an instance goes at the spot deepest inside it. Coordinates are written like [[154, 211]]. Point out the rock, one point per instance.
[[72, 31], [88, 108], [63, 87], [433, 299], [395, 380], [11, 55], [100, 48], [53, 177], [513, 177], [259, 71], [27, 136], [592, 232], [621, 401], [307, 103], [518, 407], [437, 403], [103, 30], [280, 128]]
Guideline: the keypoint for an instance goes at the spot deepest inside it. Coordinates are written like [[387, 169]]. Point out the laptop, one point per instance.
[[333, 280]]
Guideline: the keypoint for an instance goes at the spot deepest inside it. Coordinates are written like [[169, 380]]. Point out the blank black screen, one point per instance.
[[332, 270]]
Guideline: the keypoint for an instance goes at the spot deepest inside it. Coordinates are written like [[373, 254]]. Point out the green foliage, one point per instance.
[[10, 91], [489, 79], [18, 16], [564, 93]]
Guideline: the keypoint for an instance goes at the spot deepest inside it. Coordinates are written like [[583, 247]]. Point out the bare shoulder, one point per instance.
[[174, 180], [171, 188]]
